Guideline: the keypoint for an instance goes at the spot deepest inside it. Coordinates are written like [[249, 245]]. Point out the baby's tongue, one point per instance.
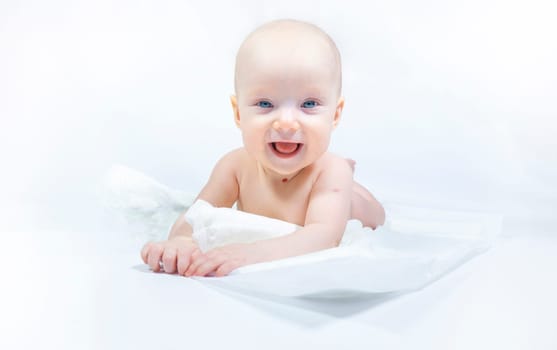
[[286, 147]]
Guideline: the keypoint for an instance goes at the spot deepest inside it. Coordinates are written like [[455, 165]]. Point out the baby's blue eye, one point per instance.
[[309, 104], [264, 104]]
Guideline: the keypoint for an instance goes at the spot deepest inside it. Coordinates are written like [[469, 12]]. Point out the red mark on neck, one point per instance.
[[284, 180]]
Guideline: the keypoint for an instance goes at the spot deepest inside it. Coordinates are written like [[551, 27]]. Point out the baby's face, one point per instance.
[[287, 102]]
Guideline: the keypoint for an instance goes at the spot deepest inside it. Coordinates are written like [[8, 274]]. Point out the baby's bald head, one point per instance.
[[288, 42]]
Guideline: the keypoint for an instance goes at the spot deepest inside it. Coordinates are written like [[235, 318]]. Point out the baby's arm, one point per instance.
[[326, 217], [176, 253], [366, 208]]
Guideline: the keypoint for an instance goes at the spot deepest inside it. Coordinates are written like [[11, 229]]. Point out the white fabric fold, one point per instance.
[[414, 247], [215, 227]]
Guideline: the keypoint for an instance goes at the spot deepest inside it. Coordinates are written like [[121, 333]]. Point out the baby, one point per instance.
[[287, 103]]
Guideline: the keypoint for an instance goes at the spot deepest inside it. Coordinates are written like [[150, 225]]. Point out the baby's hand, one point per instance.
[[221, 261], [173, 255]]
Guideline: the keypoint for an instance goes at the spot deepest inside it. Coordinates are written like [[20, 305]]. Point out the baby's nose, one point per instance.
[[286, 124]]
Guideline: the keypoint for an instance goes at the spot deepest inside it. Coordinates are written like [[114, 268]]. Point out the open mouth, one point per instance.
[[285, 149]]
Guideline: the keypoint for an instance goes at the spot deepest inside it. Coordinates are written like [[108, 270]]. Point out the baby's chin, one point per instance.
[[280, 169]]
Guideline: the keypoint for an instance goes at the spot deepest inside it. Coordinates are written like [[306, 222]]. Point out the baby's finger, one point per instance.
[[208, 266], [225, 268], [145, 251], [197, 259], [183, 260], [169, 260], [154, 257]]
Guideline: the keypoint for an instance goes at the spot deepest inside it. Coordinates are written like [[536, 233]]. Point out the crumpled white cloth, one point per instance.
[[215, 227], [415, 246], [149, 207]]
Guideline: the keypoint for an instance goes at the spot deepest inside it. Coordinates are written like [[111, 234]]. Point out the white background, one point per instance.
[[448, 104]]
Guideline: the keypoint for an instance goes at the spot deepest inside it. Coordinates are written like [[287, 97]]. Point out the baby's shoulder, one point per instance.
[[333, 165], [235, 159], [238, 154], [330, 160]]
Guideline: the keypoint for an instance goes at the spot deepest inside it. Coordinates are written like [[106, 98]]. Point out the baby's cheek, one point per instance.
[[254, 137], [248, 139]]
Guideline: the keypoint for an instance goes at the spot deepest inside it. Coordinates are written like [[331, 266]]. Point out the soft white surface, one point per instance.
[[217, 227], [414, 247], [404, 254], [143, 202], [96, 294]]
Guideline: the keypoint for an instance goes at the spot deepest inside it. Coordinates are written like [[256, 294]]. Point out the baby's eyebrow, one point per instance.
[[258, 97], [258, 92], [318, 93]]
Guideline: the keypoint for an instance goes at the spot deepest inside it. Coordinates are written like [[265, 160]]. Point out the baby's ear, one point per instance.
[[234, 102], [338, 111]]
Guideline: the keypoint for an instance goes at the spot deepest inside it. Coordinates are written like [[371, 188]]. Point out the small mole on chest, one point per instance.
[[284, 180]]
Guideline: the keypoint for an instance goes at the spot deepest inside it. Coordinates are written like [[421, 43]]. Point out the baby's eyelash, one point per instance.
[[264, 104], [310, 104]]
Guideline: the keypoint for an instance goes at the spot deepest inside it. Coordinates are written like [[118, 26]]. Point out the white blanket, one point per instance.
[[413, 248], [216, 227]]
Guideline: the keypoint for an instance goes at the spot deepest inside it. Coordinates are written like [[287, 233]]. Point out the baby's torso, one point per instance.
[[287, 201]]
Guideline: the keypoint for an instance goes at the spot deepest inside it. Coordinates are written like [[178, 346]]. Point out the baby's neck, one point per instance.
[[277, 178]]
